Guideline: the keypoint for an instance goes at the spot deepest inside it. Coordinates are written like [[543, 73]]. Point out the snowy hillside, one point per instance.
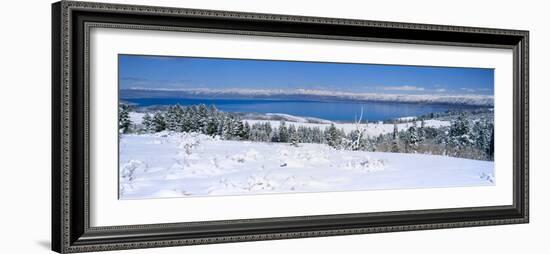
[[169, 164], [371, 129]]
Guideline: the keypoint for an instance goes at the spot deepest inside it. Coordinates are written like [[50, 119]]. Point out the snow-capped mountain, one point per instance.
[[306, 94]]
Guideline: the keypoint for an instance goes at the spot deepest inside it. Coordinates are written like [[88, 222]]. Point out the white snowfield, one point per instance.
[[371, 129], [189, 164]]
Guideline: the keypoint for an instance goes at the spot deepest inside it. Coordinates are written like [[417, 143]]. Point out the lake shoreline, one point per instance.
[[341, 112]]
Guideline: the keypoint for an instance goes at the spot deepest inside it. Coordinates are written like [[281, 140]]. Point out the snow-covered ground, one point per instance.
[[189, 164]]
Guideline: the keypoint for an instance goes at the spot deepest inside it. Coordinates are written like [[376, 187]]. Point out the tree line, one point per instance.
[[465, 138]]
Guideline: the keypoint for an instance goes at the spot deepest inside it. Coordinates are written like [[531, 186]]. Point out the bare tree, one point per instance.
[[360, 130]]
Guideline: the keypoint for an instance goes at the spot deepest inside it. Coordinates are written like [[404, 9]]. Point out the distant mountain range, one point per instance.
[[306, 94]]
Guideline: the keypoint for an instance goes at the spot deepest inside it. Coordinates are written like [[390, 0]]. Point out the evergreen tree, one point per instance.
[[421, 131], [395, 139], [158, 122], [238, 129], [293, 135], [202, 118], [316, 135], [332, 137], [246, 131], [213, 121], [228, 128], [394, 146], [283, 132], [412, 140], [482, 134], [275, 135], [187, 120], [491, 147], [192, 121], [124, 121], [147, 122], [173, 118], [458, 133]]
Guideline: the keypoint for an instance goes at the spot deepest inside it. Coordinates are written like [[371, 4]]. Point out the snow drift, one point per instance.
[[169, 164]]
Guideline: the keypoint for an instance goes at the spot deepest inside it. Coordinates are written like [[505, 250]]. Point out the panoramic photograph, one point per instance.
[[197, 126]]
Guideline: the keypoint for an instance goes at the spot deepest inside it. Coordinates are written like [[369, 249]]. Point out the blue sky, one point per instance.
[[218, 73]]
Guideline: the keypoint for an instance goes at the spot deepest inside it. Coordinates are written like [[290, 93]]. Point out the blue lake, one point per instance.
[[330, 110]]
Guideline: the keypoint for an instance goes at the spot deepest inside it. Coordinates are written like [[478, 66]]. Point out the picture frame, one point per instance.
[[71, 196]]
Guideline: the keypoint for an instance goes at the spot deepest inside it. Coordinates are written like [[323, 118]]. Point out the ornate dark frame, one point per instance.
[[71, 22]]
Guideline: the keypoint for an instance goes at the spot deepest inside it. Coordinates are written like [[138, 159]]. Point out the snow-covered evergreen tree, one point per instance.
[[293, 135], [395, 139], [124, 122], [412, 139], [459, 132], [246, 131], [174, 118], [283, 132], [421, 131], [213, 121], [332, 137], [238, 129], [158, 122], [316, 135], [483, 137], [228, 128], [275, 135], [202, 118], [147, 122]]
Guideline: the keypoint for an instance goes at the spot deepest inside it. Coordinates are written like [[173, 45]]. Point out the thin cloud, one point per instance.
[[402, 88], [473, 90], [469, 90], [441, 90]]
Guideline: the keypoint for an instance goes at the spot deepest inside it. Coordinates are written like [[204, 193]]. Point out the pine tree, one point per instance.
[[158, 122], [228, 128], [491, 147], [124, 121], [192, 122], [293, 135], [412, 140], [482, 134], [238, 129], [173, 118], [246, 131], [395, 139], [283, 132], [458, 133], [421, 131], [267, 132], [147, 122], [202, 118], [332, 137], [316, 135], [213, 121], [275, 135], [187, 120]]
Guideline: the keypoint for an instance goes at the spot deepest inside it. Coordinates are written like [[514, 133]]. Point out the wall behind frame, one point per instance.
[[25, 125]]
